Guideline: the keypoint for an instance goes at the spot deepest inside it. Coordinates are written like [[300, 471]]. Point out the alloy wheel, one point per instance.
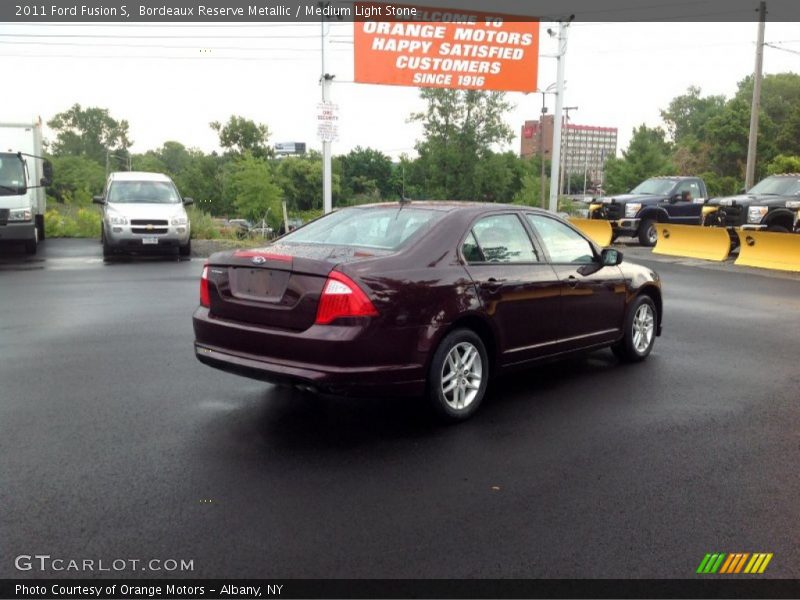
[[643, 328], [461, 375]]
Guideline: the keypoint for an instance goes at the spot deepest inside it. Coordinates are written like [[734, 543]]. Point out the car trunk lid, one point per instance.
[[277, 286]]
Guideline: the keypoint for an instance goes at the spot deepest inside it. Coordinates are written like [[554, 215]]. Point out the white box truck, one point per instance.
[[24, 173]]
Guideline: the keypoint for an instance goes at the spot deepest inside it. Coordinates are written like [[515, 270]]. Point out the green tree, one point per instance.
[[249, 181], [647, 155], [196, 174], [687, 115], [530, 191], [499, 177], [300, 178], [460, 127], [89, 132], [366, 171], [783, 164], [240, 135], [76, 179]]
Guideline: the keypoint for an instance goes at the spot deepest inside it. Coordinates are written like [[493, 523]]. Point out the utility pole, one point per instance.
[[554, 166], [541, 147], [329, 114], [542, 177], [325, 80], [756, 105], [563, 157]]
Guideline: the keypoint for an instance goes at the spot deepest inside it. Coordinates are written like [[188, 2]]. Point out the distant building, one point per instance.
[[583, 147]]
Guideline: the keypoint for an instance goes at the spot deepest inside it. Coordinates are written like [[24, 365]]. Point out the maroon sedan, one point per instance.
[[418, 298]]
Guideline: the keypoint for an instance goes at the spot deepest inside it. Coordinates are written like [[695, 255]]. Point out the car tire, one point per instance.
[[40, 226], [32, 245], [108, 251], [648, 233], [458, 376], [639, 333], [185, 251]]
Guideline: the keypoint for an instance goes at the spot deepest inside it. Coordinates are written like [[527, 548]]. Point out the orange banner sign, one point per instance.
[[445, 48]]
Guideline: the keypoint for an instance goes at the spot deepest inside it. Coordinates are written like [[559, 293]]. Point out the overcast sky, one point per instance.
[[170, 81]]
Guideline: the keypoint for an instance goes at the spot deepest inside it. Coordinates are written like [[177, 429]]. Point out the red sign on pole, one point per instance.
[[446, 48]]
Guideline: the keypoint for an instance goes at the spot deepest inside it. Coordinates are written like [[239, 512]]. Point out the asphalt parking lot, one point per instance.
[[116, 443]]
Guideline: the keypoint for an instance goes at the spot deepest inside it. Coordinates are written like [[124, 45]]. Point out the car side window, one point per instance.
[[502, 238], [471, 251], [689, 186], [562, 243]]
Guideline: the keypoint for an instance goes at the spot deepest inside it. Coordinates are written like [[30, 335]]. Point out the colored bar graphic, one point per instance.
[[703, 563], [727, 564], [740, 564], [764, 564], [753, 563], [730, 564], [717, 564]]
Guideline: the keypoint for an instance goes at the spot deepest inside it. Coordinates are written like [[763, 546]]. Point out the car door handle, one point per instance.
[[572, 281], [492, 284]]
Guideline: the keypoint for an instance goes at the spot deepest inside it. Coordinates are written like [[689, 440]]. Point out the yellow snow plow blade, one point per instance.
[[694, 241], [597, 229], [769, 250]]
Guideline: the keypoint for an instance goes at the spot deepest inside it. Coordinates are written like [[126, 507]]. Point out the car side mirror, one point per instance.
[[47, 173], [610, 257], [187, 201], [674, 198], [98, 199]]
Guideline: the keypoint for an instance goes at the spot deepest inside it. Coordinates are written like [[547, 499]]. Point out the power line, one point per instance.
[[789, 50], [160, 57], [641, 7], [166, 46], [156, 37]]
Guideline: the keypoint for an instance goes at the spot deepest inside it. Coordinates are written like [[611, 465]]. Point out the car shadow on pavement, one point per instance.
[[287, 419], [14, 258]]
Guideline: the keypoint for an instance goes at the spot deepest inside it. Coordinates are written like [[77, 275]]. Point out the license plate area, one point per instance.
[[263, 285], [150, 240]]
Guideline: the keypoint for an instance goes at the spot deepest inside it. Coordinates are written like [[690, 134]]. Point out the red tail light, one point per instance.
[[341, 297], [205, 298]]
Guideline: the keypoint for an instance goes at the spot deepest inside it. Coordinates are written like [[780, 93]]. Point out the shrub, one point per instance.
[[71, 221]]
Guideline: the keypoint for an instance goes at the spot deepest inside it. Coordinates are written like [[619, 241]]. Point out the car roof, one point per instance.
[[452, 206], [138, 176]]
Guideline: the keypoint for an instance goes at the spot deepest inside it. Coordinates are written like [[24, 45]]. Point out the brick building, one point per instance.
[[583, 147]]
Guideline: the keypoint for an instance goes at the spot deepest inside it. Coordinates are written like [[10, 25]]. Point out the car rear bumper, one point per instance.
[[323, 357]]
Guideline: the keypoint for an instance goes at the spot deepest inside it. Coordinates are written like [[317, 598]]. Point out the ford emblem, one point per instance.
[[258, 260]]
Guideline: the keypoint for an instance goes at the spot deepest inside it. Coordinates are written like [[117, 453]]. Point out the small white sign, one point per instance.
[[327, 131], [327, 111], [327, 121]]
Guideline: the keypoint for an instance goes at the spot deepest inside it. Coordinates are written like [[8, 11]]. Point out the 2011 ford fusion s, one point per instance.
[[418, 298]]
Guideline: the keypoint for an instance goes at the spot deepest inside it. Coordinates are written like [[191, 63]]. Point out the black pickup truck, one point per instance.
[[655, 200], [770, 205]]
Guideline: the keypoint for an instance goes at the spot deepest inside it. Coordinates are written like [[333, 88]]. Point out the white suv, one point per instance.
[[143, 212]]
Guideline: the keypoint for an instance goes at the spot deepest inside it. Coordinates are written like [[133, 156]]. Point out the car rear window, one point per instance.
[[385, 228]]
